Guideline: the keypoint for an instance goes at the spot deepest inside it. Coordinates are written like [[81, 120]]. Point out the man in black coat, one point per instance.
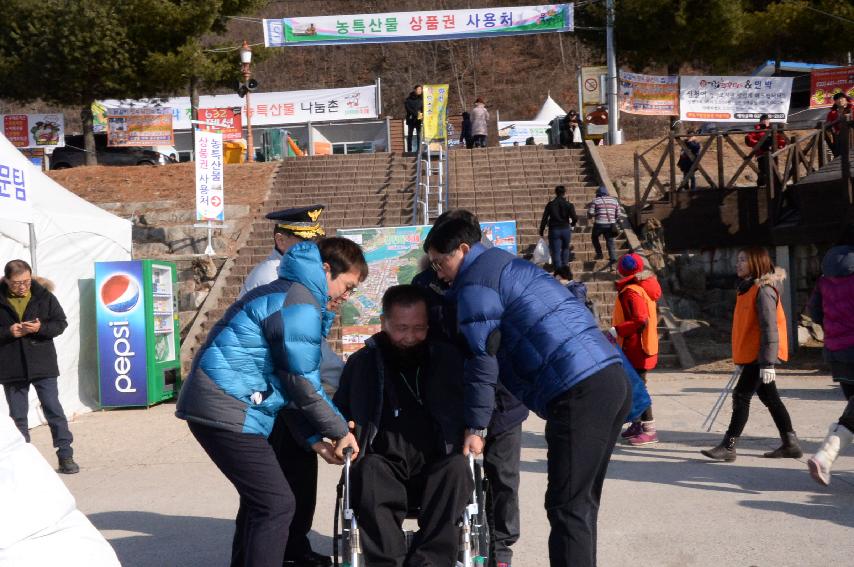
[[30, 317], [404, 393], [414, 107], [559, 215]]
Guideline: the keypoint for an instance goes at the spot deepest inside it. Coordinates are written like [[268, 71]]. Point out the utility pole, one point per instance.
[[611, 55]]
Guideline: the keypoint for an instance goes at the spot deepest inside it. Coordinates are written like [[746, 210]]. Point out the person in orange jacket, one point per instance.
[[635, 328], [763, 147], [759, 343]]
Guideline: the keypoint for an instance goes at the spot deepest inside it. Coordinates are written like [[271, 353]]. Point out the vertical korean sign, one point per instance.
[[209, 185], [435, 112], [15, 191]]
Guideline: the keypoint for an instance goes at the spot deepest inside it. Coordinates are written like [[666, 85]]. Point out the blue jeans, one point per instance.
[[559, 239], [17, 396]]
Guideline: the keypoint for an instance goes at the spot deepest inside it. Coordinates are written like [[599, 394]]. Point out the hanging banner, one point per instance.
[[224, 120], [418, 26], [35, 130], [139, 127], [435, 112], [210, 204], [824, 83], [734, 99], [16, 199], [517, 133], [289, 107], [651, 95], [592, 85]]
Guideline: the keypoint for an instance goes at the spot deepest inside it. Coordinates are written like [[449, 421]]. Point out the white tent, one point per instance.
[[62, 236], [549, 111]]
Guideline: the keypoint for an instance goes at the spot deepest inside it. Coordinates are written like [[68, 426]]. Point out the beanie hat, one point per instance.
[[629, 265], [601, 191]]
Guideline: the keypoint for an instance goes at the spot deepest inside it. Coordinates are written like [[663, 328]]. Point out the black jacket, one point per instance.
[[360, 394], [559, 213], [32, 356], [414, 105]]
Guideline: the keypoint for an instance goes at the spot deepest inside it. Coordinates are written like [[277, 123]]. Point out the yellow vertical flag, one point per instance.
[[435, 112]]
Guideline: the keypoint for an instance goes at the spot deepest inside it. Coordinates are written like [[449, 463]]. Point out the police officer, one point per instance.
[[299, 463]]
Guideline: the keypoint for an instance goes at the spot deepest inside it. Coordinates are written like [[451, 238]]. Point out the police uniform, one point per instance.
[[299, 464]]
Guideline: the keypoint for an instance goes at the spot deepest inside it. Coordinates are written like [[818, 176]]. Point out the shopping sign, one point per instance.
[[209, 185], [734, 99], [35, 130], [224, 120], [139, 127], [824, 83], [435, 112], [418, 26], [651, 95]]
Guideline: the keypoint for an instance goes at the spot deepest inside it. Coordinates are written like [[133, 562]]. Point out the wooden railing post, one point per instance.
[[845, 154], [822, 150], [671, 143], [720, 141], [638, 204]]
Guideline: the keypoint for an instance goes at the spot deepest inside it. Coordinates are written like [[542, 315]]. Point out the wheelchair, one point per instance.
[[474, 530]]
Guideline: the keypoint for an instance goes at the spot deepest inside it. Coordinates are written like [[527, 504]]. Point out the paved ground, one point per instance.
[[158, 499]]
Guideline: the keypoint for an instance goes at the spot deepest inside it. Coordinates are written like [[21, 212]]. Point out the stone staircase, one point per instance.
[[377, 190]]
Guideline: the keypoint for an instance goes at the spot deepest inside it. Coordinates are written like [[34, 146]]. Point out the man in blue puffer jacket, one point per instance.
[[263, 355], [528, 331]]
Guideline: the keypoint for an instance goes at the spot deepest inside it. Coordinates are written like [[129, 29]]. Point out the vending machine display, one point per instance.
[[138, 332]]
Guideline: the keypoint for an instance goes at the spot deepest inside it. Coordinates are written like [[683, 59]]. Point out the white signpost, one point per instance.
[[210, 205]]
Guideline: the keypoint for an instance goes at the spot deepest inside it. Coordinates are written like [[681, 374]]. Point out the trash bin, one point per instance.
[[234, 151]]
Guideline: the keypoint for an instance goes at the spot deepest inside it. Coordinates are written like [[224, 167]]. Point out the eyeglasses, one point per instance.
[[439, 262], [20, 283]]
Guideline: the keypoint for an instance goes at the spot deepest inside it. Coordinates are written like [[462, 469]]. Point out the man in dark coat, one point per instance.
[[414, 107], [404, 393], [30, 317], [559, 216]]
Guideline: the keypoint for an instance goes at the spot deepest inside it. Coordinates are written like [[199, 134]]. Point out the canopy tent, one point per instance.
[[549, 111], [62, 236]]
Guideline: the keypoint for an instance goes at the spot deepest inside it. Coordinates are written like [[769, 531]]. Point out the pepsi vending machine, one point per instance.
[[139, 361]]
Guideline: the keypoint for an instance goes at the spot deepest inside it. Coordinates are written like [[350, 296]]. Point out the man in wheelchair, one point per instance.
[[404, 394]]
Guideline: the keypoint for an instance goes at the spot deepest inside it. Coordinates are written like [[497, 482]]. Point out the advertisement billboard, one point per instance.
[[224, 120], [517, 133], [650, 95], [35, 130], [139, 127], [824, 83], [734, 99]]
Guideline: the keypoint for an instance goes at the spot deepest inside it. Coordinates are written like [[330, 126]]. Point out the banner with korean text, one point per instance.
[[435, 112], [210, 204], [35, 130], [824, 83], [651, 95], [418, 26], [139, 127], [224, 120], [16, 199], [734, 99]]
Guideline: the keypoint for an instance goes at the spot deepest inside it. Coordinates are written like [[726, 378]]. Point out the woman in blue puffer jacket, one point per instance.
[[528, 331], [263, 355]]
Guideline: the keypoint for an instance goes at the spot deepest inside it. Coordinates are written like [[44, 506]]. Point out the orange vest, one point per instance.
[[649, 334], [745, 329]]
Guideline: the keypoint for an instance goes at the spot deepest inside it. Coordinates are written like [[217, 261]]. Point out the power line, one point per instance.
[[822, 12]]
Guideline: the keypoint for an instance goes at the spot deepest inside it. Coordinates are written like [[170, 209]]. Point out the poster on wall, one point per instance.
[[650, 95], [824, 83], [35, 130], [417, 26], [139, 127], [394, 255], [734, 99]]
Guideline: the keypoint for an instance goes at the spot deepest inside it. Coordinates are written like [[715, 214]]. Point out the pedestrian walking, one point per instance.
[[479, 123], [524, 326], [686, 161], [466, 136], [262, 355], [414, 107], [635, 327], [607, 215], [30, 318], [560, 218], [841, 109], [832, 306], [761, 140], [759, 344]]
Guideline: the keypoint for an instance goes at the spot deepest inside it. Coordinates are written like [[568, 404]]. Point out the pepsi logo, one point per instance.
[[120, 293]]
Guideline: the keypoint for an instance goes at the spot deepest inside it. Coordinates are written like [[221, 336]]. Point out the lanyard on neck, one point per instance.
[[416, 393]]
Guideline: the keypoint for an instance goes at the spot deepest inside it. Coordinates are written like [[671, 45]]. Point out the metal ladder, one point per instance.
[[431, 178]]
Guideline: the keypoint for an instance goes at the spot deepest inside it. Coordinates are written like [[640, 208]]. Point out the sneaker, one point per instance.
[[644, 438], [68, 466], [632, 430]]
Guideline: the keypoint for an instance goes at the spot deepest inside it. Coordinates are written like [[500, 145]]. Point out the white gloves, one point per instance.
[[767, 374]]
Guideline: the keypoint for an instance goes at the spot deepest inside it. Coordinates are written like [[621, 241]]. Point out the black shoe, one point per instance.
[[723, 452], [68, 466], [598, 257], [790, 449], [310, 559]]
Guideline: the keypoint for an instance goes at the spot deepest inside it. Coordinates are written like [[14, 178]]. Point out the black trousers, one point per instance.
[[501, 456], [479, 141], [582, 426], [847, 418], [416, 130], [647, 413], [380, 490], [266, 500], [748, 384], [47, 390], [610, 241], [300, 469]]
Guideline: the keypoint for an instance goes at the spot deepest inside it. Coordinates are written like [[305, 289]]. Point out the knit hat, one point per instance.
[[602, 191], [629, 265]]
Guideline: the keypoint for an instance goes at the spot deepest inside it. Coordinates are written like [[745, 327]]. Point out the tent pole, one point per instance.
[[33, 263]]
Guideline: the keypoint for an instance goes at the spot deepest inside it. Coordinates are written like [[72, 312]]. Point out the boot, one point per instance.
[[68, 466], [789, 449], [632, 430], [820, 464], [723, 452], [647, 436]]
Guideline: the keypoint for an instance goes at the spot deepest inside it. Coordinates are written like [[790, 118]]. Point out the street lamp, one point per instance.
[[246, 62]]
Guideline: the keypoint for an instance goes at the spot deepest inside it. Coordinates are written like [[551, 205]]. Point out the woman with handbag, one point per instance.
[[607, 215]]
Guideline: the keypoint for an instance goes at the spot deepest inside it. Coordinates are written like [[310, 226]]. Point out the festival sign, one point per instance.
[[210, 204], [393, 255], [435, 112], [517, 133], [652, 95], [35, 130], [418, 26], [139, 127], [734, 99], [224, 120], [824, 83]]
